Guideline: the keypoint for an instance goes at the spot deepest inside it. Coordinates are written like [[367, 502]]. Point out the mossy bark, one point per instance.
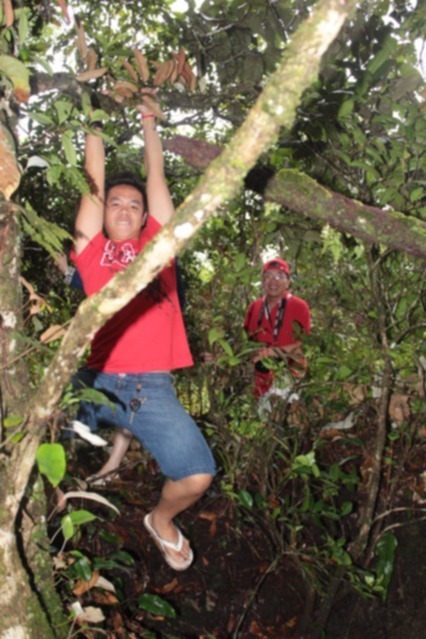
[[25, 610], [301, 193]]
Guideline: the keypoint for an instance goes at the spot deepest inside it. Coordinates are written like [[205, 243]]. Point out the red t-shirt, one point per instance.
[[296, 314], [148, 334]]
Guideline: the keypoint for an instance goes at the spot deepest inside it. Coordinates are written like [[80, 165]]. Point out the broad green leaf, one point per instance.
[[63, 109], [226, 347], [22, 15], [68, 146], [344, 372], [246, 499], [79, 517], [42, 118], [346, 108], [67, 527], [215, 334], [83, 569], [19, 75], [417, 194], [156, 605], [12, 420], [385, 551], [51, 461]]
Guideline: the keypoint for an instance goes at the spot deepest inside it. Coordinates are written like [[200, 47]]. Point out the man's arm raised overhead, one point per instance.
[[90, 216], [160, 204]]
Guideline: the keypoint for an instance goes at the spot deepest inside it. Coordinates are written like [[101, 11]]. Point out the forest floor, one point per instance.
[[238, 586]]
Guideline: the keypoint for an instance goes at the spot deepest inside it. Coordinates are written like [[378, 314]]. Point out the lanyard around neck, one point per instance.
[[279, 317]]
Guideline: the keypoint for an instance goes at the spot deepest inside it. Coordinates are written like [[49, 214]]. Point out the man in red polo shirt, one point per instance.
[[133, 354], [278, 321]]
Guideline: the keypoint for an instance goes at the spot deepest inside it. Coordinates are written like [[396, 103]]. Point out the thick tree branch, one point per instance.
[[303, 194], [371, 224]]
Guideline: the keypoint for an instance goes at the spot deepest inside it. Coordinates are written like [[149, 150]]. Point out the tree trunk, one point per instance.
[[24, 613]]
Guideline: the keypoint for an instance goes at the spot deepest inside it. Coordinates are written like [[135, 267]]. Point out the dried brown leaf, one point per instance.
[[142, 64], [91, 75], [81, 39], [171, 586], [37, 302], [180, 58], [188, 76], [53, 332], [174, 74], [208, 515], [10, 175], [125, 86], [64, 8], [8, 13], [123, 89], [91, 59], [163, 72], [129, 68]]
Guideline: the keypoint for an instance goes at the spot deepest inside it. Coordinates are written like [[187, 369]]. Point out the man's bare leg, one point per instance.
[[120, 446]]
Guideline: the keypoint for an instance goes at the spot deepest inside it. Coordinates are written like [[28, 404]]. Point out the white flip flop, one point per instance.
[[163, 544]]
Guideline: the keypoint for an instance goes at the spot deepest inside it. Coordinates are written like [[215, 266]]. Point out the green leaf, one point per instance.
[[51, 461], [344, 372], [67, 527], [246, 499], [18, 73], [226, 347], [68, 146], [22, 24], [41, 118], [83, 569], [346, 508], [417, 194], [346, 108], [215, 334], [79, 517], [156, 605], [385, 552], [12, 420], [63, 109]]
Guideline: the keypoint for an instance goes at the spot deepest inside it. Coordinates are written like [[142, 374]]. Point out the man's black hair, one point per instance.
[[126, 177]]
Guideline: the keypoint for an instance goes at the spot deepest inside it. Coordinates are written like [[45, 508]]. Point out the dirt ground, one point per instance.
[[237, 587]]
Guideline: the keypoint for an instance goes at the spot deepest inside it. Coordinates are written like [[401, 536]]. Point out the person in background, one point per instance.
[[133, 354], [277, 321]]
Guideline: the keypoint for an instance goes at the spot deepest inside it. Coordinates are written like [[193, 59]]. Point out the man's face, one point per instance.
[[124, 213], [275, 282]]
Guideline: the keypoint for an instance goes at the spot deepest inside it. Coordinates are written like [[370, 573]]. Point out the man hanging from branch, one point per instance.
[[132, 355]]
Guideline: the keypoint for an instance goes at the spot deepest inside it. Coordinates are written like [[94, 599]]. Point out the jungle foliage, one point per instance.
[[359, 132]]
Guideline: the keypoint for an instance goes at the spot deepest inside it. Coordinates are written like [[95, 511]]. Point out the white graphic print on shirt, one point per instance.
[[118, 256]]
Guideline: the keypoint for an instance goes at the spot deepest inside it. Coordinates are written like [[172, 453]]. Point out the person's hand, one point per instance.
[[207, 358], [264, 351], [145, 108], [61, 262]]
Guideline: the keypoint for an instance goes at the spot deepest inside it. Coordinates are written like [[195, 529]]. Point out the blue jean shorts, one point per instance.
[[147, 406]]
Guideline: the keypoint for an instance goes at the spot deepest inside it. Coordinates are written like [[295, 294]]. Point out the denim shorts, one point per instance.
[[147, 406]]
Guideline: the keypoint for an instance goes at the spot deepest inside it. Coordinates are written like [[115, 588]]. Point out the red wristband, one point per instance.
[[147, 115]]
